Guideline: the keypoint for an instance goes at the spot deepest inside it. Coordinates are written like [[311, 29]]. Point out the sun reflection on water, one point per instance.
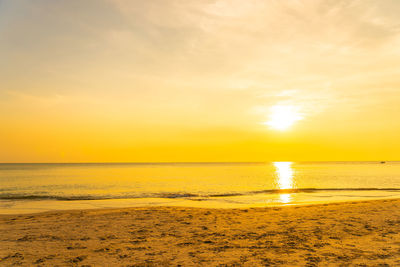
[[284, 173], [285, 198]]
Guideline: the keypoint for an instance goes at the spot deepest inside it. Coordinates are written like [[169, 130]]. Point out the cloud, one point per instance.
[[322, 52]]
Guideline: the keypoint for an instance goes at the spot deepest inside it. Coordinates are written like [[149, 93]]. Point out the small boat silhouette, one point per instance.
[[383, 162]]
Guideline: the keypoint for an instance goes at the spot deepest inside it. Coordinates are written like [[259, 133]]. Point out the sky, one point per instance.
[[199, 80]]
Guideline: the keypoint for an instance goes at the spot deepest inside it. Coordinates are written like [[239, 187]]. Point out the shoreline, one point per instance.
[[27, 206], [350, 233], [155, 207]]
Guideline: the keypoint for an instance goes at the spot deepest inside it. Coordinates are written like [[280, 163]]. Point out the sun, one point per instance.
[[282, 117]]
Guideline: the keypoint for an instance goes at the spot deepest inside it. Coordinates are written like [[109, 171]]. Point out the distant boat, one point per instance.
[[383, 162]]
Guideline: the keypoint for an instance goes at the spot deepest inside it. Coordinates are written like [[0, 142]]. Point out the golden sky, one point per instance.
[[193, 80]]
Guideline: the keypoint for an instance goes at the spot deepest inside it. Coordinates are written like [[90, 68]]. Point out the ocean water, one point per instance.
[[26, 188]]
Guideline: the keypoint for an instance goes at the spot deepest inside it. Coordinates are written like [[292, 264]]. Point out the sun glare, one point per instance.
[[285, 175], [282, 117]]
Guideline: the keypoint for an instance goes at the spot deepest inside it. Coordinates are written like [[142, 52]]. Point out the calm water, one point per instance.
[[40, 187]]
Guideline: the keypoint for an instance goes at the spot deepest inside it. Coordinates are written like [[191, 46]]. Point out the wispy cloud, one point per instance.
[[323, 52]]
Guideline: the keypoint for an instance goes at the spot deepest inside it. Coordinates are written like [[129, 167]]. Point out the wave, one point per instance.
[[91, 197], [310, 190], [193, 196]]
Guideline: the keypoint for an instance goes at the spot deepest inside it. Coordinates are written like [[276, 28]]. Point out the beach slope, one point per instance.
[[352, 233]]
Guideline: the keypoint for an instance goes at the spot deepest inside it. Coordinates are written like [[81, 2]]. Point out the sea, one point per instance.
[[31, 188]]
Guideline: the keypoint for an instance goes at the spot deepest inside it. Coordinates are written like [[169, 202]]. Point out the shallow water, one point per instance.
[[40, 187]]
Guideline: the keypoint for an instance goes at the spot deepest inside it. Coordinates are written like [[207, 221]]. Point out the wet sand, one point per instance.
[[352, 233]]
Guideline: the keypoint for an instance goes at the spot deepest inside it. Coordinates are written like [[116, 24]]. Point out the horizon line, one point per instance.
[[198, 162]]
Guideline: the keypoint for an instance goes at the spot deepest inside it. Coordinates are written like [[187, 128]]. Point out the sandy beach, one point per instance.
[[352, 233]]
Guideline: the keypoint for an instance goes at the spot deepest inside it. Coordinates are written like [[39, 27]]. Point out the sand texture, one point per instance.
[[356, 234]]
